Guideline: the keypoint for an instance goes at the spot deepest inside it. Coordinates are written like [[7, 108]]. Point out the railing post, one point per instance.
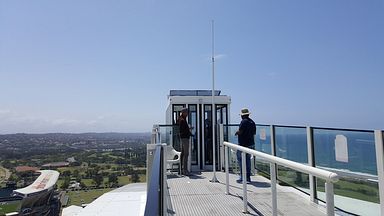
[[330, 177], [164, 178], [311, 162], [329, 198], [244, 177], [273, 188], [273, 170], [154, 135], [273, 145], [221, 145], [158, 137], [226, 168], [380, 166]]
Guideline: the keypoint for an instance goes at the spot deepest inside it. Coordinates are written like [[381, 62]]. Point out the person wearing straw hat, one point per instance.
[[246, 133], [185, 134]]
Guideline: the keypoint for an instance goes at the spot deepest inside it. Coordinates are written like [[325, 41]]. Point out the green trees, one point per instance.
[[66, 173], [97, 180], [66, 182], [76, 175], [135, 176], [113, 180]]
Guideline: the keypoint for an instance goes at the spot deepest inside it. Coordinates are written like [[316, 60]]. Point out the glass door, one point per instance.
[[192, 121], [207, 153], [221, 118]]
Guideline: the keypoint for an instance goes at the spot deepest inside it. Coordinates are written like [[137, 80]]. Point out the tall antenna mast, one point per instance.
[[214, 179]]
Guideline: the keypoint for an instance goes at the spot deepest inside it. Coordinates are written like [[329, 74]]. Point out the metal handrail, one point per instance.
[[329, 177], [326, 175], [303, 127]]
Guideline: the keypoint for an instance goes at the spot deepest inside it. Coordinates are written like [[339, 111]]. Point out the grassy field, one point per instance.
[[9, 207], [348, 187], [80, 197], [355, 189]]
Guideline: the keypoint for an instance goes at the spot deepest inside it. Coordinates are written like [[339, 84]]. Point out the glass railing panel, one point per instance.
[[229, 136], [350, 154], [230, 131], [263, 138], [262, 143], [170, 134], [165, 134], [291, 144]]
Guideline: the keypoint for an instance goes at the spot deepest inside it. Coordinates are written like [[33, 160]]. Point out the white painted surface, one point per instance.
[[127, 200]]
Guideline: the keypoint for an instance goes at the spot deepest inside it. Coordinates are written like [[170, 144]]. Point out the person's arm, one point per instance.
[[240, 131]]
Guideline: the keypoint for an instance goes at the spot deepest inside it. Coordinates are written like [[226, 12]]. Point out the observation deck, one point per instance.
[[297, 171], [196, 195]]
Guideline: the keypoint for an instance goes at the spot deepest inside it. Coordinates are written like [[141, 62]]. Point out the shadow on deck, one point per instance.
[[196, 195]]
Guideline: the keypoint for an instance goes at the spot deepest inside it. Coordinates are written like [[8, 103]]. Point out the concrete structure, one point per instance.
[[38, 198]]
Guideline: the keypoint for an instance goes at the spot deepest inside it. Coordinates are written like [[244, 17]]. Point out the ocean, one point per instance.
[[291, 143]]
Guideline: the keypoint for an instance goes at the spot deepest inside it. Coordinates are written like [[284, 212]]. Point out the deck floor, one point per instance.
[[196, 195]]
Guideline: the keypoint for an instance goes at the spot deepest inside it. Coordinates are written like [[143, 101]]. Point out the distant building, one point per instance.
[[71, 160], [55, 165], [74, 185], [26, 169]]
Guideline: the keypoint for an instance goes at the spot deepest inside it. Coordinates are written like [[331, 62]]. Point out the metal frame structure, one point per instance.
[[329, 177], [310, 169], [380, 165], [200, 98]]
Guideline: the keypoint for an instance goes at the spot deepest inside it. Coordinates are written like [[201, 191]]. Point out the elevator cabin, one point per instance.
[[199, 104]]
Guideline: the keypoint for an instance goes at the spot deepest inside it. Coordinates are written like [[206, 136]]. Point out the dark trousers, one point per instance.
[[184, 154], [247, 165]]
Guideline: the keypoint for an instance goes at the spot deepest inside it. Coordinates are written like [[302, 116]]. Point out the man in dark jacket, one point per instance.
[[185, 133], [246, 133]]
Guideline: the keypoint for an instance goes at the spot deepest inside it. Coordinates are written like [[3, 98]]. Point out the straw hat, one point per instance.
[[244, 111]]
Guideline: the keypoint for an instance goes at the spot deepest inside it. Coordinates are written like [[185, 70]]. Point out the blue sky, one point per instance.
[[97, 66]]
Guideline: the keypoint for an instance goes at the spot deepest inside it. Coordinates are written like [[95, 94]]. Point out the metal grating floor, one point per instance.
[[195, 195]]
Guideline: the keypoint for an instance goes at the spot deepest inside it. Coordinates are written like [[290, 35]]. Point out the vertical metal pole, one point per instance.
[[221, 129], [311, 162], [244, 177], [199, 122], [380, 166], [329, 198], [226, 168], [273, 146], [203, 143], [273, 170], [154, 134], [214, 179], [158, 135], [273, 188], [163, 183]]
